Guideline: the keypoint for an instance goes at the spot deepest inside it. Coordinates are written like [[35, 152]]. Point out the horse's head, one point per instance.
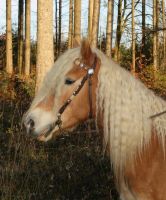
[[67, 94]]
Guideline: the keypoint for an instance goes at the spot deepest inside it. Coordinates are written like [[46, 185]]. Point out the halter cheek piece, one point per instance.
[[89, 74]]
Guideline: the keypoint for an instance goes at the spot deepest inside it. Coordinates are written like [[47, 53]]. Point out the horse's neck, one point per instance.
[[147, 170]]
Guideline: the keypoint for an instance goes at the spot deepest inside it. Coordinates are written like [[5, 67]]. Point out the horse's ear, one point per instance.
[[76, 43], [86, 51]]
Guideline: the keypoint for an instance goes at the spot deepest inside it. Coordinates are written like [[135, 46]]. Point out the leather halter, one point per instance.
[[157, 114], [89, 74]]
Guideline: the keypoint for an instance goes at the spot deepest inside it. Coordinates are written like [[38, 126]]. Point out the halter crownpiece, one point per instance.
[[79, 63]]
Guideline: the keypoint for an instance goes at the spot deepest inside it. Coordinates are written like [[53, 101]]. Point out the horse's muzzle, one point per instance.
[[29, 125]]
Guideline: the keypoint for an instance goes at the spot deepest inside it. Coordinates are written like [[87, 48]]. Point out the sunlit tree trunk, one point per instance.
[[60, 21], [90, 17], [95, 23], [45, 55], [27, 37], [20, 35], [70, 24], [9, 54], [77, 21], [164, 27], [118, 31], [133, 39], [113, 2], [154, 36], [56, 28], [109, 29]]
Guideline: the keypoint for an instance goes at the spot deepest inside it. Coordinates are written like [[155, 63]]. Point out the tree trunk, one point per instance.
[[27, 37], [157, 32], [118, 32], [95, 22], [45, 55], [133, 39], [154, 36], [60, 19], [77, 21], [112, 22], [164, 29], [9, 54], [143, 30], [56, 29], [20, 35], [122, 19], [109, 29], [90, 18], [70, 24]]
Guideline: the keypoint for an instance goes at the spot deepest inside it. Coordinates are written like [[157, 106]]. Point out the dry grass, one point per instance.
[[72, 167]]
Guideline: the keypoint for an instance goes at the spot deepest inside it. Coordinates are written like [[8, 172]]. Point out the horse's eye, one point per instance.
[[69, 81]]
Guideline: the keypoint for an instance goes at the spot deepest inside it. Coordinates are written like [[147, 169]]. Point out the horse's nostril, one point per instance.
[[31, 124]]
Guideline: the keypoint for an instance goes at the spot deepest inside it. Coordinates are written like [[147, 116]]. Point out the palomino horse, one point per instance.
[[85, 82]]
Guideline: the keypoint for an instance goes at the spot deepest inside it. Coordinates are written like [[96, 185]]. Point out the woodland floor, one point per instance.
[[70, 168]]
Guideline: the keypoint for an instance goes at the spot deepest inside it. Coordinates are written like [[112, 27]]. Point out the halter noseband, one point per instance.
[[89, 74]]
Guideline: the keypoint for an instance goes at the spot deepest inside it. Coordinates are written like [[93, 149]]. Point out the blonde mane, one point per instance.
[[126, 105], [125, 102]]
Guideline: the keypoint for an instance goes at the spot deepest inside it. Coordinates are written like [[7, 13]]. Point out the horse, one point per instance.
[[85, 83]]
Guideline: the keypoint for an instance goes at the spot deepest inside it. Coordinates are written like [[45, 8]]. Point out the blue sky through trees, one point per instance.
[[65, 17]]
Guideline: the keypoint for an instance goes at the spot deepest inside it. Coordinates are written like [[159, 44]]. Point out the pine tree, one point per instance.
[[90, 18], [20, 35], [164, 28], [70, 24], [77, 21], [133, 38], [45, 54], [95, 22], [27, 36], [9, 54], [109, 28], [154, 35]]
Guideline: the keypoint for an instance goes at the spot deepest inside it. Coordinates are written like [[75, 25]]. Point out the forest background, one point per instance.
[[131, 32]]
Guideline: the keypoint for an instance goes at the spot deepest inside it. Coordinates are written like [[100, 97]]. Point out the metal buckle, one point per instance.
[[81, 65], [91, 71]]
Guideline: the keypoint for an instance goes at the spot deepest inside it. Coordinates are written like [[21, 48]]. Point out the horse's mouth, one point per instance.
[[42, 138], [47, 134]]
